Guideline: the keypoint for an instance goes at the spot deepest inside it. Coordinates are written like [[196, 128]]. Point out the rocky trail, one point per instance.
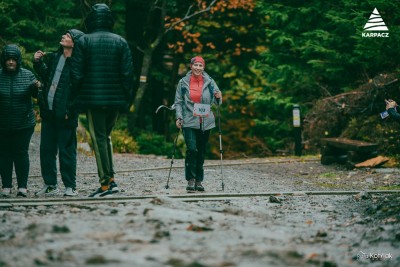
[[299, 229]]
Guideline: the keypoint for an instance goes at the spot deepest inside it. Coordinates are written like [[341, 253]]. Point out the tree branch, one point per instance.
[[188, 16]]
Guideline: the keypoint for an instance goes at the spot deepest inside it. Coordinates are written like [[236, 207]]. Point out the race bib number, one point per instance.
[[201, 110]]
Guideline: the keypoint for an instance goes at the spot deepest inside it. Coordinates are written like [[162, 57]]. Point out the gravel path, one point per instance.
[[300, 230]]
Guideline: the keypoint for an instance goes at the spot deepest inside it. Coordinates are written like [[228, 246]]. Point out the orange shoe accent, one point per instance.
[[105, 187]]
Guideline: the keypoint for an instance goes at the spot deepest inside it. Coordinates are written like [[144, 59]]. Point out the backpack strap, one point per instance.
[[211, 89], [182, 90]]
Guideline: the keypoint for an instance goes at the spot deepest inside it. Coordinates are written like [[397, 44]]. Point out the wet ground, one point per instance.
[[358, 229]]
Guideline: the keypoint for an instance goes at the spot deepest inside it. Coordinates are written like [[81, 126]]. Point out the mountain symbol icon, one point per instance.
[[375, 22]]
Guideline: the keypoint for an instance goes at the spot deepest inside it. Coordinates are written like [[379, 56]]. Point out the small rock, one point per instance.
[[369, 180], [97, 259], [160, 234], [362, 195], [321, 233], [274, 199], [75, 210], [60, 229]]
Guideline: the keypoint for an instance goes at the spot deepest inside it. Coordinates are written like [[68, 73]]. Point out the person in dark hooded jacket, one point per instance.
[[102, 70], [17, 119], [59, 121]]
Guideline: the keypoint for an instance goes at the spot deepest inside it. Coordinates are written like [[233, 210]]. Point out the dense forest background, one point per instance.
[[265, 55]]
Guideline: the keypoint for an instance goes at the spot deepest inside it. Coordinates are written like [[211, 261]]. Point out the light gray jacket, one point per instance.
[[184, 105]]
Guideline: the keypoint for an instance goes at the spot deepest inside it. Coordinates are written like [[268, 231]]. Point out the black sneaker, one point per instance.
[[114, 187], [101, 193], [21, 194], [199, 187], [191, 185]]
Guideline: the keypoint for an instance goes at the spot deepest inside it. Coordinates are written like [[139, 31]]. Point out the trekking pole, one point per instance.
[[163, 106], [172, 158], [175, 141], [220, 142]]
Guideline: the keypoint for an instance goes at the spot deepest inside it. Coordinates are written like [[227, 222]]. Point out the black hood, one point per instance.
[[99, 17], [11, 51]]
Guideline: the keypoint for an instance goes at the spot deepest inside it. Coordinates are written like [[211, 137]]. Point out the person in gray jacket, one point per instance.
[[17, 119], [195, 94]]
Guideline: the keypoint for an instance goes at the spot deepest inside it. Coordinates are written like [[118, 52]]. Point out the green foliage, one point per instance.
[[36, 24], [373, 129], [389, 187], [123, 142], [315, 50], [318, 44], [151, 143], [122, 123]]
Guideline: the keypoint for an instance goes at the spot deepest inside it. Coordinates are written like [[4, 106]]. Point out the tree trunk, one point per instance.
[[146, 63]]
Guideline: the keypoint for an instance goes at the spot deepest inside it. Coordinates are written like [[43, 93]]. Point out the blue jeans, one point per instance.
[[196, 141]]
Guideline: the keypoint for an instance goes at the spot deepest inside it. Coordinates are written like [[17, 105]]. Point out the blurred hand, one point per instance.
[[179, 123], [390, 104], [38, 55], [218, 94]]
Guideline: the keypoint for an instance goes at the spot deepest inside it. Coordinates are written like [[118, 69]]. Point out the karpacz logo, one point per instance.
[[375, 34], [375, 23]]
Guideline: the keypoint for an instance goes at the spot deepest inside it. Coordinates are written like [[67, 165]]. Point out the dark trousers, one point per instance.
[[14, 146], [101, 123], [56, 139], [196, 141]]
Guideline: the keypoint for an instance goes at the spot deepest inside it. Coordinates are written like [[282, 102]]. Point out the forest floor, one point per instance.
[[357, 229]]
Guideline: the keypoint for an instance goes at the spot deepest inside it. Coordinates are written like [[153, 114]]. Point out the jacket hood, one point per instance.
[[75, 34], [11, 51], [99, 17]]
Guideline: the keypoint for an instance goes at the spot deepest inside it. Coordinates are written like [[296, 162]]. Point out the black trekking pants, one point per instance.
[[14, 146], [58, 139], [196, 141]]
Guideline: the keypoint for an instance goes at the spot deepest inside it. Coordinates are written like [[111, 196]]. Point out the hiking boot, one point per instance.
[[70, 192], [101, 193], [114, 187], [199, 187], [191, 185], [48, 190], [5, 192], [22, 192]]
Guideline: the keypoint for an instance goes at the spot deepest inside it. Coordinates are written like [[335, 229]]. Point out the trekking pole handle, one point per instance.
[[218, 99], [179, 123]]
